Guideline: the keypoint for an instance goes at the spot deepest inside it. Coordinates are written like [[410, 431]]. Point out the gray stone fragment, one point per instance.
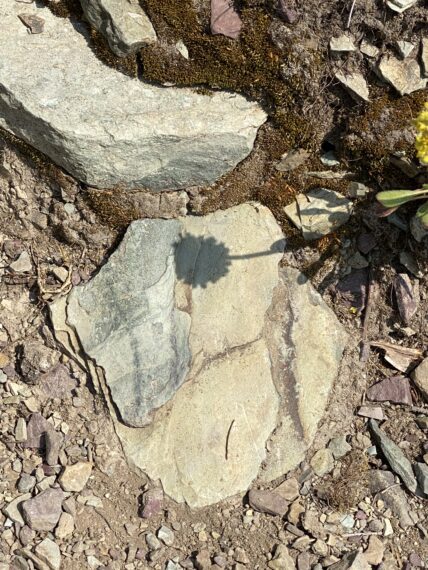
[[54, 441], [374, 551], [26, 483], [106, 128], [395, 499], [339, 446], [152, 542], [400, 5], [43, 511], [358, 190], [369, 49], [420, 378], [34, 24], [292, 160], [405, 48], [268, 502], [74, 477], [382, 484], [374, 412], [358, 261], [322, 462], [319, 212], [65, 526], [19, 563], [380, 480], [152, 503], [225, 19], [343, 43], [395, 457], [421, 470], [417, 228], [289, 489], [56, 383], [282, 559], [352, 561], [123, 23], [166, 535], [37, 429], [37, 358], [13, 509], [404, 76], [20, 430], [48, 551], [424, 56], [330, 158], [355, 84], [395, 389], [22, 264]]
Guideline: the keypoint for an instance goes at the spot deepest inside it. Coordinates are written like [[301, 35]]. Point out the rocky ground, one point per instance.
[[78, 488]]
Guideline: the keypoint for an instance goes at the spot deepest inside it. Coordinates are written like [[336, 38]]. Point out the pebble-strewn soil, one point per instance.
[[54, 234]]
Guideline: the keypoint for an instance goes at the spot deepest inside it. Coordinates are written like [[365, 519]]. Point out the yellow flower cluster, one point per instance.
[[421, 143]]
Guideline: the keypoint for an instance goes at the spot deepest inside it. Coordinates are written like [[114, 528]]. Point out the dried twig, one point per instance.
[[226, 455], [351, 11]]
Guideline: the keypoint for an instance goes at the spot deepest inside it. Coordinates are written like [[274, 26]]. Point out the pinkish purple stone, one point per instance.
[[152, 503], [395, 389], [225, 19], [43, 511], [56, 383]]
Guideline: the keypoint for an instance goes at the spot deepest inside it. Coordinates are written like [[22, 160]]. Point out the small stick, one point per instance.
[[227, 439], [348, 23]]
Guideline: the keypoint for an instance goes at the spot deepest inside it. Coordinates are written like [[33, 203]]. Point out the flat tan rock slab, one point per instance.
[[108, 129], [258, 347]]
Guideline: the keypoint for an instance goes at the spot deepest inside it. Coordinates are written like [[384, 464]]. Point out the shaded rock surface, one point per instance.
[[203, 300], [404, 76], [420, 378], [109, 129], [122, 22], [319, 212], [355, 83]]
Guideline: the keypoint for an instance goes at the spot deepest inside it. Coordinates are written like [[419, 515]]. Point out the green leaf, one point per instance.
[[395, 198], [422, 214]]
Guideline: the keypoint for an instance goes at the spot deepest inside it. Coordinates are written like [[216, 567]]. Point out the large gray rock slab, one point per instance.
[[108, 129], [198, 314], [123, 23]]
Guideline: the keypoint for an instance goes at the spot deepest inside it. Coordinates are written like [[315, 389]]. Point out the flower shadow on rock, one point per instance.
[[200, 260]]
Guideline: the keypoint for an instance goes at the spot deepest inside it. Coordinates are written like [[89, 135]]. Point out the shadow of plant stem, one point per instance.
[[202, 260]]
